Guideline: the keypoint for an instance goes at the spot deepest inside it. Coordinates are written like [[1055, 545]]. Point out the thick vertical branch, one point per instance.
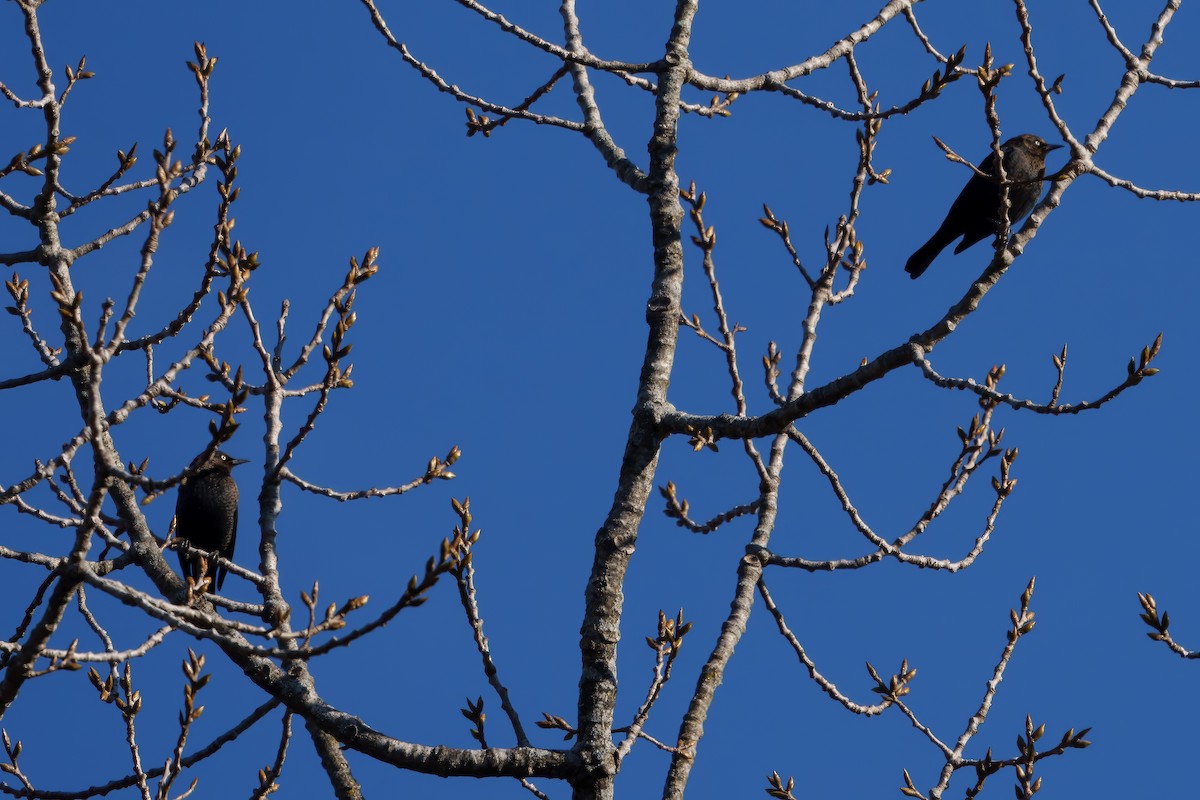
[[617, 537], [275, 609], [57, 261]]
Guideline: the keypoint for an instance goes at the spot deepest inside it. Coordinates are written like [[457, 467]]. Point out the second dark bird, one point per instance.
[[206, 513], [975, 213]]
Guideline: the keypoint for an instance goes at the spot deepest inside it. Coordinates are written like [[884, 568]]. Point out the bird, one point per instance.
[[975, 213], [206, 513]]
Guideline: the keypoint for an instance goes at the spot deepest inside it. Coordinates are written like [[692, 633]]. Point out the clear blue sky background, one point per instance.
[[508, 318]]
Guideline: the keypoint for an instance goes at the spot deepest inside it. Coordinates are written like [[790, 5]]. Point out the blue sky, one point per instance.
[[508, 319]]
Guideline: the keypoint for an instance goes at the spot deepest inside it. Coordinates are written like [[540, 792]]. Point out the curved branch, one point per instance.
[[1135, 376], [824, 683], [774, 79]]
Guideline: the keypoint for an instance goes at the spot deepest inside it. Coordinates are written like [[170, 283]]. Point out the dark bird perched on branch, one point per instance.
[[975, 213], [206, 513]]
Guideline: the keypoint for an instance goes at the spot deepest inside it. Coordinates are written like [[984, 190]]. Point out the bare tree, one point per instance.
[[87, 493]]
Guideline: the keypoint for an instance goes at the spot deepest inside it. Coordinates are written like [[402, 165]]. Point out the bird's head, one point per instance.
[[216, 460], [1031, 143]]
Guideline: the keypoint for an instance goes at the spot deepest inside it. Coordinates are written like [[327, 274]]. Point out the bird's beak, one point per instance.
[[237, 461], [1050, 147]]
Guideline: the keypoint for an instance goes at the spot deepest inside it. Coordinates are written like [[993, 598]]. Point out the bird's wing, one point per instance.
[[186, 565], [228, 551]]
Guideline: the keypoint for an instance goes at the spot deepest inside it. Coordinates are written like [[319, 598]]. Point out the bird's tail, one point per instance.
[[919, 261]]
